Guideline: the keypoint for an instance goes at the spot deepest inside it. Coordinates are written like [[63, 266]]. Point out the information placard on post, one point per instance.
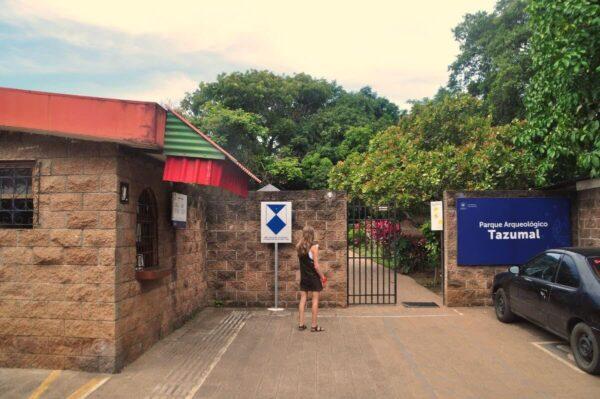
[[276, 228], [437, 216], [276, 222]]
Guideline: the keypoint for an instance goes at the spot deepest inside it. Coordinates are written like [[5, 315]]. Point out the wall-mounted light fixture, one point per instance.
[[124, 193]]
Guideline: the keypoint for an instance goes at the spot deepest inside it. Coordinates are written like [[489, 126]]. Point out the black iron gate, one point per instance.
[[372, 239]]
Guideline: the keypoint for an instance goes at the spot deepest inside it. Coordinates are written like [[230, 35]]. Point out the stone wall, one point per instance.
[[69, 298], [241, 268], [471, 285], [588, 216], [57, 306], [149, 310]]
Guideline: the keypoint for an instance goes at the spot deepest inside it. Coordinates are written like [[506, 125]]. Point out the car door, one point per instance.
[[535, 284], [562, 301], [518, 285]]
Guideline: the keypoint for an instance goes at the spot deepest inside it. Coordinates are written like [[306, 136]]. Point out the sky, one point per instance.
[[159, 50]]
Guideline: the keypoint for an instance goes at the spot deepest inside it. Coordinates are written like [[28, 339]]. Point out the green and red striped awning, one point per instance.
[[193, 157]]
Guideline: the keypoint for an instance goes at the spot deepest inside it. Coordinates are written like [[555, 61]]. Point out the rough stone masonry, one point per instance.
[[241, 269]]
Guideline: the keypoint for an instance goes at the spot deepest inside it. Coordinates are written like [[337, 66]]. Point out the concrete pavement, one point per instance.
[[366, 352]]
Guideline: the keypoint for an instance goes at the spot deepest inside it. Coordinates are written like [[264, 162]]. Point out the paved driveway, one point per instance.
[[366, 352]]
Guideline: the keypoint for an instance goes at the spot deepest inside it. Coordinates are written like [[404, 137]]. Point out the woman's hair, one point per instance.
[[307, 241]]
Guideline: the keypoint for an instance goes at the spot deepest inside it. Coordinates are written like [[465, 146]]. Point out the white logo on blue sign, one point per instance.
[[275, 223]]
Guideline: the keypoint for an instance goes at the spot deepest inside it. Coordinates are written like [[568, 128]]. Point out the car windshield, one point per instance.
[[595, 263]]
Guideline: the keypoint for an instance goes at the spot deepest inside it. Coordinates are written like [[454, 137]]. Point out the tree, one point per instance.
[[447, 119], [444, 143], [270, 120], [563, 96], [494, 63]]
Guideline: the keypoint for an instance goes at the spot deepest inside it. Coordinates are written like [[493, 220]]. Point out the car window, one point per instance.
[[567, 272], [595, 263], [542, 267]]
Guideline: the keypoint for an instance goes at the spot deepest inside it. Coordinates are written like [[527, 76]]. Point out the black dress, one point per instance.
[[309, 279]]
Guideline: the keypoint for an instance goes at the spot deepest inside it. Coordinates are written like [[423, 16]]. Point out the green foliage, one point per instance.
[[448, 119], [563, 96], [267, 120], [494, 61], [440, 145], [432, 244], [284, 170], [411, 254], [236, 130], [315, 170]]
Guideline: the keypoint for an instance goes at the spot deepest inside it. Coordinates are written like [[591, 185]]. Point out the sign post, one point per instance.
[[276, 228], [437, 224]]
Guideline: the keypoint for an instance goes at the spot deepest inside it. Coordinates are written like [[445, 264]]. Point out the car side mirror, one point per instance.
[[514, 270]]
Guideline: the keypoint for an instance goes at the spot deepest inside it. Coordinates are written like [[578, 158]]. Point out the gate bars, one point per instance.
[[372, 260]]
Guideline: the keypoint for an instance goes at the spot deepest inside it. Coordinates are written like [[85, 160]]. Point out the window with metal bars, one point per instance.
[[16, 195], [146, 231]]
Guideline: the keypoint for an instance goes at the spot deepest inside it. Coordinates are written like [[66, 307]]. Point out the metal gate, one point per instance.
[[372, 239]]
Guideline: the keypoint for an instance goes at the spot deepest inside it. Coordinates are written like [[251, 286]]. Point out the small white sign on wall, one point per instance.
[[179, 210], [276, 222], [437, 216]]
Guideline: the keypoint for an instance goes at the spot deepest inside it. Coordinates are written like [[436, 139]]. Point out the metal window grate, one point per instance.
[[146, 231], [16, 195]]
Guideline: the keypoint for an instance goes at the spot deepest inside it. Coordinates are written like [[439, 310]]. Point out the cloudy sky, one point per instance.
[[157, 51]]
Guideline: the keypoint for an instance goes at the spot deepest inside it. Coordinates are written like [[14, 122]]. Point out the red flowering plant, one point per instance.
[[382, 231]]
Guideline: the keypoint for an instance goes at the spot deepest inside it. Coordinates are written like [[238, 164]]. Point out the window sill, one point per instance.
[[151, 274]]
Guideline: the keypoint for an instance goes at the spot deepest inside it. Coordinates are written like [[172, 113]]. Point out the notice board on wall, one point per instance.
[[509, 231]]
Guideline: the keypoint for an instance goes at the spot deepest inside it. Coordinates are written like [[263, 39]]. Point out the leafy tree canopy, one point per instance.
[[494, 61], [563, 96], [272, 122], [444, 143]]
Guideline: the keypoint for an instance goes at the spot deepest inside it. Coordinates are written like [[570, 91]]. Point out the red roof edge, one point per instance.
[[134, 123], [218, 147]]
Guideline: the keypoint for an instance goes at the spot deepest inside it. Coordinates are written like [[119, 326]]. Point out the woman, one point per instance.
[[311, 277]]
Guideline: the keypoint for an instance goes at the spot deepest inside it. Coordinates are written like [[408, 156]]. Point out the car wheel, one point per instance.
[[586, 350], [503, 312]]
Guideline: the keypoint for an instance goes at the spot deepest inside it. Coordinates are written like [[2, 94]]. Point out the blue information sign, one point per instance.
[[509, 231]]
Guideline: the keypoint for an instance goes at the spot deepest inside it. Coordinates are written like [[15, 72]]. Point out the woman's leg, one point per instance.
[[301, 307], [315, 307]]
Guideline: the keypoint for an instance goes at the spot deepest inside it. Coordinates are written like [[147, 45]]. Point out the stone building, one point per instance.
[[92, 269]]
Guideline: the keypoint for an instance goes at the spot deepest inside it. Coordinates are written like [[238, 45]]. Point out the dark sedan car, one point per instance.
[[558, 290]]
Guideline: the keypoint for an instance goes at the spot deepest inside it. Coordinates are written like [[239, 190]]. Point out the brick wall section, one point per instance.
[[68, 294], [57, 305], [149, 310], [588, 217], [471, 285], [241, 268]]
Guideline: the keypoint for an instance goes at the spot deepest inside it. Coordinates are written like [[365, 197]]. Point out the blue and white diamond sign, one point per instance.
[[276, 222]]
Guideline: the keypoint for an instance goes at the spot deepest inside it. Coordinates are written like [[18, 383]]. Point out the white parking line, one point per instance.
[[383, 316], [539, 346]]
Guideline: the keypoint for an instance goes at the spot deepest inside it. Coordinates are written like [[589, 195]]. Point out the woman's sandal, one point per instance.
[[302, 327], [317, 329]]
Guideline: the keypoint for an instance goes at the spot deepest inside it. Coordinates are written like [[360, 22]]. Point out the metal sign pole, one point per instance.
[[276, 308], [276, 275]]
